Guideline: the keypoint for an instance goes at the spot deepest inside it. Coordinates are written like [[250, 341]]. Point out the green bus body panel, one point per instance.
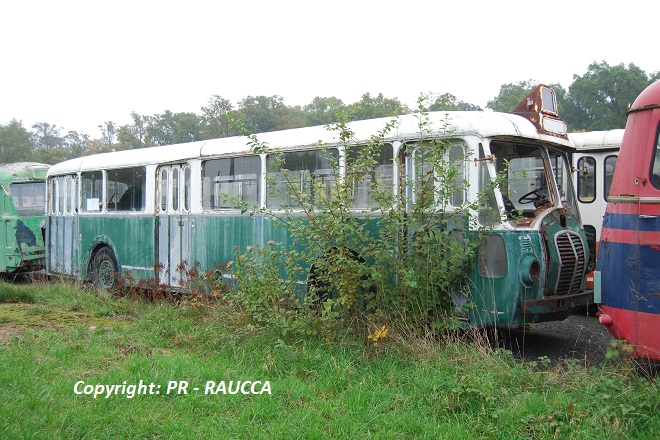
[[72, 244], [140, 242], [496, 300], [211, 241], [131, 239], [215, 238], [22, 242], [507, 299], [22, 236]]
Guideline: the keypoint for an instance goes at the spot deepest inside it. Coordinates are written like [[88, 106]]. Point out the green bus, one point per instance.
[[23, 205], [142, 213]]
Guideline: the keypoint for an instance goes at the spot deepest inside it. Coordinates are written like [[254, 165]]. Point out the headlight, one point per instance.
[[529, 270]]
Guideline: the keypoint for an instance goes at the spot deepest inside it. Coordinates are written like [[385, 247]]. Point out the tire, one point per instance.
[[104, 269]]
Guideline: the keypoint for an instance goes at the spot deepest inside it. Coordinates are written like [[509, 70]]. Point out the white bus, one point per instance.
[[145, 213], [594, 161]]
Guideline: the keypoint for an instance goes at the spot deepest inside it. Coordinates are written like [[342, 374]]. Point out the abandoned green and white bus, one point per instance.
[[23, 207], [142, 213]]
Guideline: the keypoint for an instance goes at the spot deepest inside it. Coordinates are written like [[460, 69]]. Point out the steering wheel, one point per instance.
[[527, 199]]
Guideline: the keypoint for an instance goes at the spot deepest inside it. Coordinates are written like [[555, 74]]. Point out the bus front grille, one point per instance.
[[572, 262]]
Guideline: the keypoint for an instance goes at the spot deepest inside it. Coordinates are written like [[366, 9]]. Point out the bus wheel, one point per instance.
[[104, 268]]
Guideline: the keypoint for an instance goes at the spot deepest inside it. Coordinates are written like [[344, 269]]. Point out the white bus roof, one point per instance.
[[597, 140], [479, 123]]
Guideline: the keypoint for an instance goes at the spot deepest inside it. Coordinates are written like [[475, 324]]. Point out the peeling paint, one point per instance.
[[24, 235]]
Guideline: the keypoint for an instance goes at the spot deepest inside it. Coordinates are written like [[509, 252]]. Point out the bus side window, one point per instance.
[[586, 179], [379, 178], [610, 165], [125, 189], [457, 160], [61, 195], [175, 189], [164, 184], [440, 171], [226, 182], [301, 177], [186, 188], [92, 191], [488, 210], [68, 195], [53, 193]]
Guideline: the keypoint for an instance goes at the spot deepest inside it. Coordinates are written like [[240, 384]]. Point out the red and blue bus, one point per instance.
[[629, 253]]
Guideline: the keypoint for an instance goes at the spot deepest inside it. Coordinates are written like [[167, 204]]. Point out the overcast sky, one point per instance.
[[76, 64]]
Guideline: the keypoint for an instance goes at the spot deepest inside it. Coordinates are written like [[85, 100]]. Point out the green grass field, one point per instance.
[[59, 342]]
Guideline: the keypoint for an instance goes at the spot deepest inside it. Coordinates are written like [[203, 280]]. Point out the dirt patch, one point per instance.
[[7, 331]]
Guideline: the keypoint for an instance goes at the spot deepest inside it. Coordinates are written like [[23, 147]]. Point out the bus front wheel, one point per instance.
[[104, 269]]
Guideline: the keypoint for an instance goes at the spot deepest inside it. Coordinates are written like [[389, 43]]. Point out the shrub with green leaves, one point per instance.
[[401, 256]]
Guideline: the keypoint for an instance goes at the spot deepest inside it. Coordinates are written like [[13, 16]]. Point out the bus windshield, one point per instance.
[[29, 198], [525, 187]]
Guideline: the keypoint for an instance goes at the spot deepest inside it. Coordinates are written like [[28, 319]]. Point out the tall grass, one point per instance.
[[341, 387]]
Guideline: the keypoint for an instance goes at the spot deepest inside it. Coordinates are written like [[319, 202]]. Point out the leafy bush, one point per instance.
[[399, 259]]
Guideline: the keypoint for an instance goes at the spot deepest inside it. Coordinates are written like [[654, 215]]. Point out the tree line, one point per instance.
[[596, 100]]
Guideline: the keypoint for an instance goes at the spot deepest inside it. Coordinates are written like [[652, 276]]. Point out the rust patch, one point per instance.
[[533, 109]]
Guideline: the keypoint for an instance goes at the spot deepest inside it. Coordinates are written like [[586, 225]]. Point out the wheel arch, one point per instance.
[[98, 244]]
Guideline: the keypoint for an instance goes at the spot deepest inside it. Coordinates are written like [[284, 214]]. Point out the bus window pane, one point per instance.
[[61, 195], [125, 189], [229, 182], [175, 189], [457, 162], [29, 198], [440, 174], [586, 179], [76, 194], [488, 210], [301, 177], [424, 177], [164, 184], [186, 188], [525, 177], [378, 179], [92, 191], [68, 196], [53, 192], [610, 165]]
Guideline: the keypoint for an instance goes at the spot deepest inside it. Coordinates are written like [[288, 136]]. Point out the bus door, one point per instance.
[[174, 222], [63, 227]]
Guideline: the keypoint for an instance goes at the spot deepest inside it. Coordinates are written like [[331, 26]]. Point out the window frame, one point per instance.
[[582, 174]]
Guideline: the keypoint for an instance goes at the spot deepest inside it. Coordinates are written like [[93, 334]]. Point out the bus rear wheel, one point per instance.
[[104, 269]]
